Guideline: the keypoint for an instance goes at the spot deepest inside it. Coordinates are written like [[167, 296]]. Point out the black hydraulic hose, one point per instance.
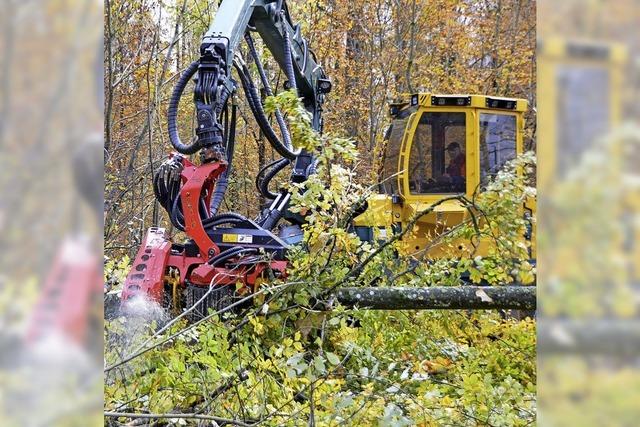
[[265, 168], [267, 88], [231, 135], [230, 253], [218, 194], [253, 99], [167, 194], [305, 49], [313, 167], [177, 217], [288, 62], [203, 210], [223, 181], [172, 114], [159, 193], [255, 103], [263, 184], [225, 119], [230, 215], [224, 255], [225, 218], [218, 222], [260, 177], [176, 214]]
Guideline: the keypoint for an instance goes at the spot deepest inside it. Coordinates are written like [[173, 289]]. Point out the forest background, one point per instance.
[[373, 51]]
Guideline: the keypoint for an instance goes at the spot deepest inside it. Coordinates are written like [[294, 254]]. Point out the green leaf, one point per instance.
[[332, 358]]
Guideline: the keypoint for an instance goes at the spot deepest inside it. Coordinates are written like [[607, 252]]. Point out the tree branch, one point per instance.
[[175, 416]]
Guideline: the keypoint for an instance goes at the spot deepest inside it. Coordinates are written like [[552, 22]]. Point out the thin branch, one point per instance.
[[176, 416]]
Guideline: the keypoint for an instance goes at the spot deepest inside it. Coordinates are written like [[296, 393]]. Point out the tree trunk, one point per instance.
[[432, 298], [440, 298]]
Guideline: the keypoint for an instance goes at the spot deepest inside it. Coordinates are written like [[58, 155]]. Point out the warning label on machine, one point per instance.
[[237, 238]]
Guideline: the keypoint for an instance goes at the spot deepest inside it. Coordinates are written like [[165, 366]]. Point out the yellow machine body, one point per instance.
[[439, 146]]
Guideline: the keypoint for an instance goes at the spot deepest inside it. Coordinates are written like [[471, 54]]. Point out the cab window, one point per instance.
[[497, 143], [438, 154]]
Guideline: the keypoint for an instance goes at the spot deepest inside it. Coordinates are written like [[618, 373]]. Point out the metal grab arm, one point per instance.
[[271, 19], [214, 85]]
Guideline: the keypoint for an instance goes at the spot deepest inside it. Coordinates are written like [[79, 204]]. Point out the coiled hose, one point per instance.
[[288, 60], [267, 88], [167, 192], [253, 99], [223, 180], [266, 174], [172, 113]]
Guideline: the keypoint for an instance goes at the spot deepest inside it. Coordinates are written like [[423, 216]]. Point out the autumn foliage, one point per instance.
[[372, 50]]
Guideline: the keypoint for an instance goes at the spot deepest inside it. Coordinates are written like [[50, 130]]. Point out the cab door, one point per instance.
[[438, 159]]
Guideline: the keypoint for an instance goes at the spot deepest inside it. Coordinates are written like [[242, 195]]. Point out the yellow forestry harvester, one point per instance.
[[439, 146]]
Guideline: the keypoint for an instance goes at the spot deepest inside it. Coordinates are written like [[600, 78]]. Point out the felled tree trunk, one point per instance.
[[431, 298], [440, 298]]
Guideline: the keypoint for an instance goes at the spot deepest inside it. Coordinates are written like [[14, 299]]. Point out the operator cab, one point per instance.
[[442, 145], [438, 146]]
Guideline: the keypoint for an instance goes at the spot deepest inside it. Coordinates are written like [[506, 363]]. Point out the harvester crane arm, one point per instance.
[[228, 248], [234, 21], [283, 38]]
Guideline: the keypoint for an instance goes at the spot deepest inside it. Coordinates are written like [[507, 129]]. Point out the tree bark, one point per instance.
[[440, 298], [402, 298]]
